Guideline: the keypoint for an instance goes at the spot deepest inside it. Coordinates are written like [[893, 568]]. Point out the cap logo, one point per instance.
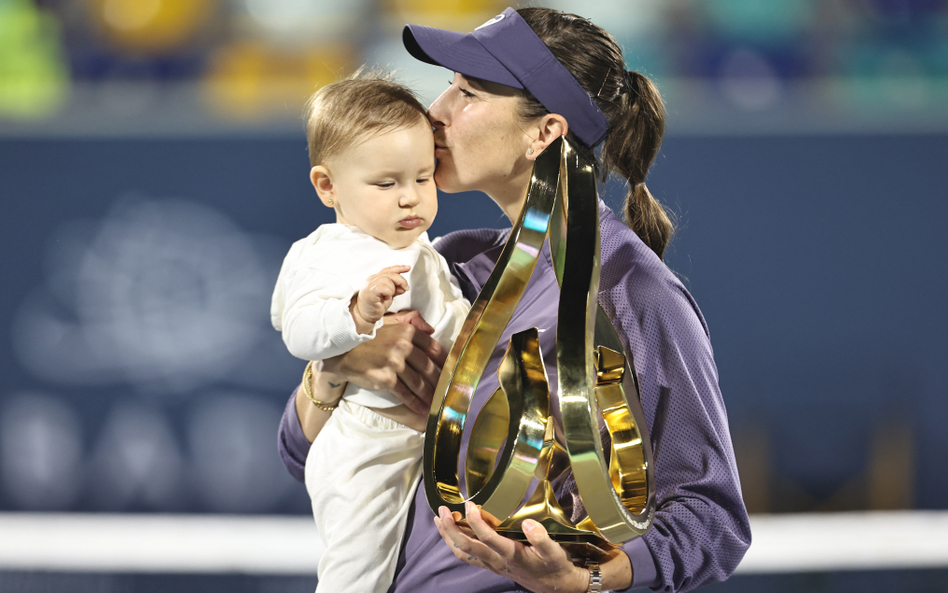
[[496, 19]]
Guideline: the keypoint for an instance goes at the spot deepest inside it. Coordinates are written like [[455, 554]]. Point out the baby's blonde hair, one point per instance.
[[348, 112]]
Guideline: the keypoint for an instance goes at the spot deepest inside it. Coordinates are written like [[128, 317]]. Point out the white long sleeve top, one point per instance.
[[323, 271]]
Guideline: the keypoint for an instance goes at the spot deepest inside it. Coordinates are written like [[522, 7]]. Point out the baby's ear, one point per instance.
[[321, 179]]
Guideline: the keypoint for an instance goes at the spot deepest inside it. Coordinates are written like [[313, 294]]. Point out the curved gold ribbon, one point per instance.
[[513, 441], [619, 498]]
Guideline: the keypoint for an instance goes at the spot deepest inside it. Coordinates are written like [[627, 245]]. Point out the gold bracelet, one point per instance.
[[308, 390]]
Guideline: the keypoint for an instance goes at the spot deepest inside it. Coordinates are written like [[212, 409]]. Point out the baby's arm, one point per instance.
[[375, 298]]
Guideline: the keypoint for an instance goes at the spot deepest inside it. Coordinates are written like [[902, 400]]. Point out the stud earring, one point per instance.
[[529, 151], [331, 202]]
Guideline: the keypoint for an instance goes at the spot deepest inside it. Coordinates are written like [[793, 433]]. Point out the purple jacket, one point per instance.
[[701, 530]]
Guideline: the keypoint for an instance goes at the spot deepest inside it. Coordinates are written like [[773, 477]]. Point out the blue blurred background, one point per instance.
[[153, 172]]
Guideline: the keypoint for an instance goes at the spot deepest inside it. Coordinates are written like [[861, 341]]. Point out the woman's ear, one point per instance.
[[549, 127], [321, 179]]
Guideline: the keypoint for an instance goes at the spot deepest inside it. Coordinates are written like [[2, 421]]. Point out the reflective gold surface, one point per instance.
[[513, 442]]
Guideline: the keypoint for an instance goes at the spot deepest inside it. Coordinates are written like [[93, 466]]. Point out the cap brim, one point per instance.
[[459, 52]]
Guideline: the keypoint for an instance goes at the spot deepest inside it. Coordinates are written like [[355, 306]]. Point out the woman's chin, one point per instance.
[[447, 183]]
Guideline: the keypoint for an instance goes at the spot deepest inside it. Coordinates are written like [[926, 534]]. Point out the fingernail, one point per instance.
[[528, 525], [468, 507], [443, 511]]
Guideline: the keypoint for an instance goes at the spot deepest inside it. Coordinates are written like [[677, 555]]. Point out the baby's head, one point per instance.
[[372, 155]]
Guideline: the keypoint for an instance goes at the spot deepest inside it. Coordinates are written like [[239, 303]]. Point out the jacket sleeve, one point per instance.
[[291, 442], [701, 529]]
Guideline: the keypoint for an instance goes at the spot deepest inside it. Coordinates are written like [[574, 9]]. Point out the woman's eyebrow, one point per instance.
[[477, 83], [486, 86]]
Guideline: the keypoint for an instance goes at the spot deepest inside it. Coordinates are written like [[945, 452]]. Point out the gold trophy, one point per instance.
[[514, 443]]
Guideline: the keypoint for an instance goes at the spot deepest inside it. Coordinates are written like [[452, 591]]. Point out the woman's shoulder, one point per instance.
[[463, 245], [639, 281]]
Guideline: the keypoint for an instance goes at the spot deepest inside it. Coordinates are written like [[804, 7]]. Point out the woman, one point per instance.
[[510, 99]]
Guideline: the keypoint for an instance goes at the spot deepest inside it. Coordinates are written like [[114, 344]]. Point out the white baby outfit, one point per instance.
[[363, 468]]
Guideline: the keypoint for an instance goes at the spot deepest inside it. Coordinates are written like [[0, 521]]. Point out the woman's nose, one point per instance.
[[437, 112]]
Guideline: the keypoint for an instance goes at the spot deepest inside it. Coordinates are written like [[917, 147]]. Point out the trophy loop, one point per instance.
[[489, 315], [580, 323], [513, 441]]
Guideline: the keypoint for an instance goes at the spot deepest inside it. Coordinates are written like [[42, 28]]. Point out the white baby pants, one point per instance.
[[361, 475]]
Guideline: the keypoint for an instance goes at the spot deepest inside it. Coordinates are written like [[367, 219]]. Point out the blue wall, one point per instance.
[[820, 265], [140, 372]]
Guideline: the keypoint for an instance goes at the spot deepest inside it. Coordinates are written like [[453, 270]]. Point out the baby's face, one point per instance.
[[385, 185]]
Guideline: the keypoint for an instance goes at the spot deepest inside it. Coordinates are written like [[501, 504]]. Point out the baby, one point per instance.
[[372, 154]]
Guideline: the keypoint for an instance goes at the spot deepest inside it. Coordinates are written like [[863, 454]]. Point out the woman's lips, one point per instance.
[[411, 222]]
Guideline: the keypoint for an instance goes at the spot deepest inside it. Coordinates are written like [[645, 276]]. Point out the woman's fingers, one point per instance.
[[412, 317], [403, 359], [464, 547], [408, 397], [541, 565], [425, 359], [491, 520], [485, 532], [545, 548], [418, 375]]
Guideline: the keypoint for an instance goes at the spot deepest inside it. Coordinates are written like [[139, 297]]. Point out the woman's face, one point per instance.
[[480, 141]]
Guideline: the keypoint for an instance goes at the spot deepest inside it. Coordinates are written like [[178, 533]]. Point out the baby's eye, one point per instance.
[[385, 184], [423, 180]]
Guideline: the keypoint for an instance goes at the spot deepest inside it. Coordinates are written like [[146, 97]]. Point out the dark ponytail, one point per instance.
[[631, 145], [630, 102]]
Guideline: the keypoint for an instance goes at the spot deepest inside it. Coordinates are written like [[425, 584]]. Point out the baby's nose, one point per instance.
[[409, 197]]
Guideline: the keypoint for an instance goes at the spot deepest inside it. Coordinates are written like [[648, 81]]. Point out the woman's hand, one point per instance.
[[542, 567], [403, 358]]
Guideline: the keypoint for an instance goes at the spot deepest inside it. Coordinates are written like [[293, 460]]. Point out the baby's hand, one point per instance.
[[376, 296]]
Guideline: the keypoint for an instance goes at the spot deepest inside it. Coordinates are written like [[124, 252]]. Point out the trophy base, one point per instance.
[[580, 547], [577, 546]]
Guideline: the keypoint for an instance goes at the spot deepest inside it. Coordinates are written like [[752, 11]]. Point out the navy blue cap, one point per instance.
[[507, 51]]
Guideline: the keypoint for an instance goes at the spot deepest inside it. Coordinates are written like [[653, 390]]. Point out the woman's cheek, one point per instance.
[[442, 176]]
